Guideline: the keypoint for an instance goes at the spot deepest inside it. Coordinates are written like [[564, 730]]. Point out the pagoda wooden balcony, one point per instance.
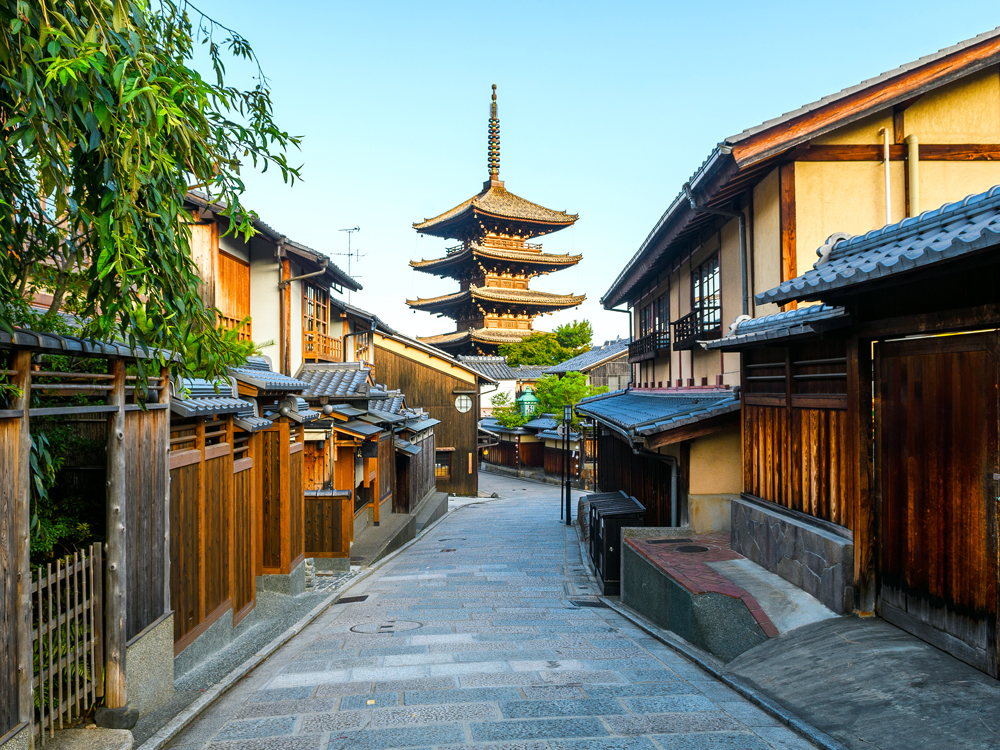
[[701, 324], [318, 347], [650, 346], [230, 322]]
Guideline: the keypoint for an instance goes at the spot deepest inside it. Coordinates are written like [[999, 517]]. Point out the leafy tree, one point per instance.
[[555, 392], [540, 348], [507, 412], [105, 127]]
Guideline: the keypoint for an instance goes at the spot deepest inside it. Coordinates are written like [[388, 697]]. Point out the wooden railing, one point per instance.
[[649, 346], [319, 347], [229, 323], [67, 640], [701, 324], [362, 347]]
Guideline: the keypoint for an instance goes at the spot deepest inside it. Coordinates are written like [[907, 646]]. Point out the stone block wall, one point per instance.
[[814, 555]]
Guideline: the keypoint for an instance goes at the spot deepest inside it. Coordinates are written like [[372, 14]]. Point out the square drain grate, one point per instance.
[[594, 603], [351, 599]]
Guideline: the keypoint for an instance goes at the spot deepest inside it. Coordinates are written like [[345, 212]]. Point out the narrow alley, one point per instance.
[[483, 633]]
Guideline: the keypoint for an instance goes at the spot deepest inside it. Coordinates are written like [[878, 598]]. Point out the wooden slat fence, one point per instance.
[[9, 708], [244, 580], [554, 459], [532, 454], [502, 454], [296, 509], [270, 469], [67, 640]]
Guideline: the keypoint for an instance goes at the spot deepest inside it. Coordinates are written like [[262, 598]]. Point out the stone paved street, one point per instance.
[[482, 634]]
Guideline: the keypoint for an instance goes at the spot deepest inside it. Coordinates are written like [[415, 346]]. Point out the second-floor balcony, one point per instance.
[[318, 347], [701, 324], [650, 346]]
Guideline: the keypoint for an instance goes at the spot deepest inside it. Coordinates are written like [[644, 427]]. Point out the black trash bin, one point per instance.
[[595, 501], [611, 519]]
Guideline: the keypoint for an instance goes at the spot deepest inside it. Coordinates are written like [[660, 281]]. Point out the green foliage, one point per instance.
[[554, 392], [61, 521], [106, 126], [507, 412], [569, 340]]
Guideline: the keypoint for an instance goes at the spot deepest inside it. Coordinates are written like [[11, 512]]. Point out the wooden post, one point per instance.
[[22, 536], [165, 399], [116, 595], [284, 501], [860, 378], [199, 432]]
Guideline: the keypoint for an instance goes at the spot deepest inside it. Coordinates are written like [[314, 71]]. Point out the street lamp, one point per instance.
[[567, 423]]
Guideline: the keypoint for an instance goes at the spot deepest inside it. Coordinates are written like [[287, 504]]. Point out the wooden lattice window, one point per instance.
[[706, 299], [317, 343]]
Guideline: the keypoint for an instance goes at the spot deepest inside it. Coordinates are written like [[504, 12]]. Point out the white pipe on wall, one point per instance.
[[913, 167], [884, 132]]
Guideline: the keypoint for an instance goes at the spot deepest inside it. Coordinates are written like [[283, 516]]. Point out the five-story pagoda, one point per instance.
[[494, 263]]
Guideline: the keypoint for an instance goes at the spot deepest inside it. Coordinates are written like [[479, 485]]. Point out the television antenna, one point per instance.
[[351, 254]]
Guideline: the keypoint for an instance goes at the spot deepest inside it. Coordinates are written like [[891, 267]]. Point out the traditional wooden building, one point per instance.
[[874, 416], [605, 365], [493, 264], [752, 216], [509, 380]]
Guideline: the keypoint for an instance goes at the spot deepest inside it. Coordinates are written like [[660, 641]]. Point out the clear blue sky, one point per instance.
[[605, 109]]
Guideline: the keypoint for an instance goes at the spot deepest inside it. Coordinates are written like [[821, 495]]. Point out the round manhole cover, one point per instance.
[[690, 548], [392, 626]]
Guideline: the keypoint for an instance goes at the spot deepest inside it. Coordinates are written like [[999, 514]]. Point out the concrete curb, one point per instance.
[[714, 667], [174, 727]]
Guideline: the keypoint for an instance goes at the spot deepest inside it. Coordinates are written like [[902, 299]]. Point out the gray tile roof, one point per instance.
[[543, 422], [497, 368], [407, 447], [199, 397], [804, 321], [393, 403], [641, 415], [54, 343], [295, 408], [256, 371], [356, 426], [422, 424], [335, 380], [492, 425], [554, 435], [946, 233], [589, 359]]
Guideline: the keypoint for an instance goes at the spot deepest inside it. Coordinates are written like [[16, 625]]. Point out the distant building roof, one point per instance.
[[790, 324], [954, 230], [476, 336], [199, 397], [592, 358], [471, 254], [543, 422], [496, 368], [639, 415]]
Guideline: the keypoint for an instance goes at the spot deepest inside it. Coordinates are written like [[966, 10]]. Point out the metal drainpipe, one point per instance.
[[320, 272], [913, 166], [743, 239]]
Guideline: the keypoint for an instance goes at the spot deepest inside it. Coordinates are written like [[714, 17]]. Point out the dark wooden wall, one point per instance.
[[645, 478], [244, 580], [532, 454], [434, 391], [270, 469], [326, 526], [386, 466], [554, 460], [795, 426], [414, 476], [146, 443], [296, 509], [9, 710], [503, 453]]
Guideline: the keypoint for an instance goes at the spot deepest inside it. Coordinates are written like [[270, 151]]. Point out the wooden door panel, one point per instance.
[[938, 453]]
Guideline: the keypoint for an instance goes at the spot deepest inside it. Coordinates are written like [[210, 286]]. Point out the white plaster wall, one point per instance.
[[264, 306]]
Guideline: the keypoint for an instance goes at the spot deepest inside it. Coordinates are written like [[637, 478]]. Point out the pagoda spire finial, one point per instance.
[[493, 149]]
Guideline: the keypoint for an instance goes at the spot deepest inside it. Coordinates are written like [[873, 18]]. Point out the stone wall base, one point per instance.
[[292, 584], [812, 554], [149, 667]]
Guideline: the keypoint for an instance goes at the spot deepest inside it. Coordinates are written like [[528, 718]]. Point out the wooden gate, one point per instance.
[[937, 436]]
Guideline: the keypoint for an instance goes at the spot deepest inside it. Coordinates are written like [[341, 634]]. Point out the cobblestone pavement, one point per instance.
[[482, 634]]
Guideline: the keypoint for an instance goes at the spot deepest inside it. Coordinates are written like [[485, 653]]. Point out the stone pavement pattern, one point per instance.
[[480, 635]]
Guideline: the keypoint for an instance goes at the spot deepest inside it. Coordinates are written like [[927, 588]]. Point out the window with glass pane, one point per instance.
[[705, 295], [661, 312], [646, 321]]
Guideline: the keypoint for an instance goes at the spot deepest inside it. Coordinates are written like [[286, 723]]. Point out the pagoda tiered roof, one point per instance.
[[474, 337], [506, 297], [495, 209], [476, 259]]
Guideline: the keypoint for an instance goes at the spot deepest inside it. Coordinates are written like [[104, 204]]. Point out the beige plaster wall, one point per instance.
[[264, 298], [841, 197], [967, 111], [862, 132], [716, 463], [766, 261], [948, 181]]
